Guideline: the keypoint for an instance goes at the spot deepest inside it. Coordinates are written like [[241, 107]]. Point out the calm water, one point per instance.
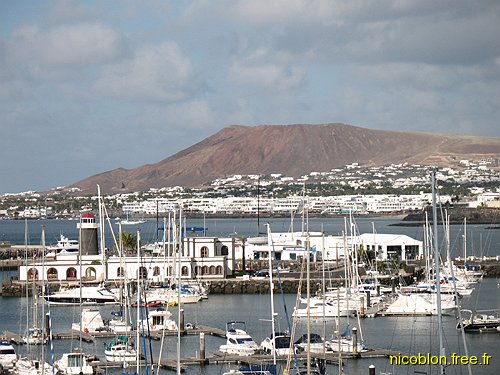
[[405, 334]]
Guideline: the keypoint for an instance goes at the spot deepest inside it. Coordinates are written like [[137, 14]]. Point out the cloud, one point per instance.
[[78, 44], [155, 72], [266, 75]]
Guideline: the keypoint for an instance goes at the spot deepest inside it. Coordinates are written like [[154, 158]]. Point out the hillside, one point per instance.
[[292, 150]]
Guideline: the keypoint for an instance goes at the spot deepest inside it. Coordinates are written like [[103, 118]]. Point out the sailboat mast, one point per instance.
[[179, 270], [271, 288], [308, 294], [437, 273]]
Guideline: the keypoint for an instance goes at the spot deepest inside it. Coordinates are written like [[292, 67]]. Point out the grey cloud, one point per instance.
[[156, 72]]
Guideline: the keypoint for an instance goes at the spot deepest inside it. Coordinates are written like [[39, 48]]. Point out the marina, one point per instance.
[[381, 334]]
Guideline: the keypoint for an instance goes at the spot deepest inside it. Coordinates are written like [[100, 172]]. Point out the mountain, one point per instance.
[[292, 150]]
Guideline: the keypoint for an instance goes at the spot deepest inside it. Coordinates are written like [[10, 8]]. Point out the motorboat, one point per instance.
[[344, 343], [479, 322], [120, 350], [421, 304], [279, 341], [92, 322], [8, 356], [253, 370], [169, 296], [64, 244], [238, 342], [157, 320], [86, 295], [74, 363], [327, 308], [26, 366], [316, 344]]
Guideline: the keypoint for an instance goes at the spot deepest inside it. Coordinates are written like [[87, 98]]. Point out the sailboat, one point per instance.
[[34, 334], [129, 221], [121, 349]]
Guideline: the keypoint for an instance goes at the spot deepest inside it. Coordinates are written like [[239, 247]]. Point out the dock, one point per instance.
[[216, 358]]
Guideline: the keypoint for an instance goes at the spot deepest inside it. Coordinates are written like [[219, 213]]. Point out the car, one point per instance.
[[261, 273]]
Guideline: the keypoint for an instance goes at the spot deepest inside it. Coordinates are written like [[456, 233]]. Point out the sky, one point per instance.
[[90, 86]]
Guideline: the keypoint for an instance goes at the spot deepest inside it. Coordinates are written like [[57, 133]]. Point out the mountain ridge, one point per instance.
[[292, 150]]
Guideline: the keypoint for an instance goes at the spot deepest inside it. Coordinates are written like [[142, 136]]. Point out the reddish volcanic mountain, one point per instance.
[[292, 150]]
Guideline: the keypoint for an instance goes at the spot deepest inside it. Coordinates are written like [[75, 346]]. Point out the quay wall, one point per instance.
[[240, 285]]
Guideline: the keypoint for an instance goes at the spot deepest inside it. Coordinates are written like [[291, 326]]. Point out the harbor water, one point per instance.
[[403, 334]]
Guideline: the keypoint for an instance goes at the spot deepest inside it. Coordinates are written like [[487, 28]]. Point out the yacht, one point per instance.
[[479, 322], [74, 363], [120, 350], [421, 304], [35, 336], [238, 342], [89, 295], [279, 341], [26, 366], [92, 322], [316, 344], [7, 356], [64, 244], [157, 321]]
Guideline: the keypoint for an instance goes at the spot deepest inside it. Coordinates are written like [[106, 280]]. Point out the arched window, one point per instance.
[[204, 270], [120, 272], [219, 270], [204, 252], [224, 250], [156, 271], [51, 274], [197, 270], [71, 273], [32, 274], [90, 273], [143, 272], [212, 270], [170, 273], [185, 271]]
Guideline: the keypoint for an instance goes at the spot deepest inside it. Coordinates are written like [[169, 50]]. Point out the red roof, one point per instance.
[[88, 216]]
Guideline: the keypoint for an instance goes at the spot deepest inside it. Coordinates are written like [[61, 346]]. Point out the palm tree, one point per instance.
[[129, 241]]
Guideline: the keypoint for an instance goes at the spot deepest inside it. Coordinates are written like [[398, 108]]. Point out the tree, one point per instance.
[[129, 241]]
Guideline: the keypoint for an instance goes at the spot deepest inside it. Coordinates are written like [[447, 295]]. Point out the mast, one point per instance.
[[101, 232], [138, 296], [308, 294], [271, 287], [437, 273], [179, 270], [258, 205]]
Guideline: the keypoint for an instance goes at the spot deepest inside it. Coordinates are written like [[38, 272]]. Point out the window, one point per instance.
[[204, 270], [156, 271], [219, 270], [71, 273], [52, 274], [224, 250], [120, 272], [212, 270], [204, 252], [33, 274], [143, 272], [185, 271], [90, 273]]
